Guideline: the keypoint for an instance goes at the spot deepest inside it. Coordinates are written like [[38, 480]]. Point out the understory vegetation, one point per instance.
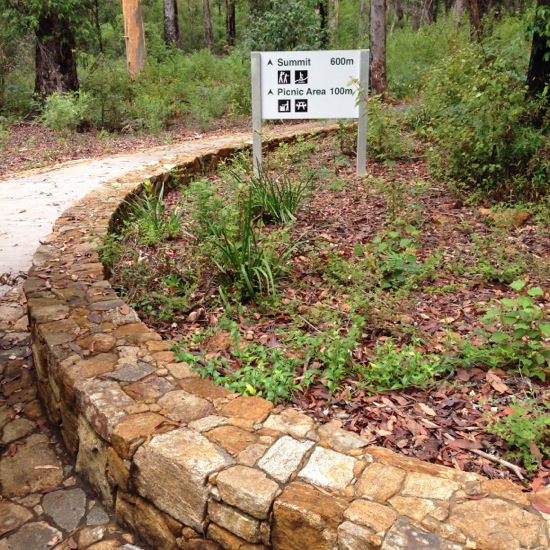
[[308, 285]]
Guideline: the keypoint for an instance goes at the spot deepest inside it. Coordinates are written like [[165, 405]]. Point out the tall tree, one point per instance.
[[52, 25], [230, 22], [134, 36], [208, 30], [171, 25], [538, 74], [377, 42]]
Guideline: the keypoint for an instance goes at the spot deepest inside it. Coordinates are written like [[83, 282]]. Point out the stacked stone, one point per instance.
[[177, 457]]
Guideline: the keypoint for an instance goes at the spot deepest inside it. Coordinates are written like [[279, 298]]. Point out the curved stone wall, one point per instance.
[[178, 457]]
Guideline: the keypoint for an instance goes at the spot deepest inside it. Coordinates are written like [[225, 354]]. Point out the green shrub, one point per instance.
[[519, 333], [394, 368], [65, 111], [528, 424], [481, 126]]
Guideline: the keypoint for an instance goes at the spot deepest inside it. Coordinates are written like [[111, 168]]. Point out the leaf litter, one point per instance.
[[445, 423]]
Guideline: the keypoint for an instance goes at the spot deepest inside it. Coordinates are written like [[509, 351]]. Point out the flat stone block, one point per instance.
[[179, 463], [12, 516], [427, 486], [375, 516], [248, 489], [403, 536], [132, 373], [340, 440], [290, 422], [203, 388], [21, 474], [380, 482], [36, 535], [329, 469], [181, 406], [235, 521], [304, 518], [355, 537], [255, 409], [496, 525], [131, 431], [103, 402], [66, 508], [232, 439], [284, 458]]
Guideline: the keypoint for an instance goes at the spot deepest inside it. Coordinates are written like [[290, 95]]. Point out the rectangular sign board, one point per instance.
[[310, 85]]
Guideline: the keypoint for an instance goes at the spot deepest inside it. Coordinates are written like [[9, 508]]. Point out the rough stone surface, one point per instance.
[[236, 522], [495, 524], [232, 439], [329, 469], [371, 514], [284, 458], [17, 429], [185, 407], [303, 517], [290, 422], [12, 516], [66, 508], [426, 486], [255, 409], [178, 463], [355, 537], [22, 474], [340, 440], [132, 373], [380, 482], [247, 489], [406, 537], [103, 403], [36, 535], [133, 430]]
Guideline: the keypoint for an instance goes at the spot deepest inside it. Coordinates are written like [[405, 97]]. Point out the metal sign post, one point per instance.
[[310, 85]]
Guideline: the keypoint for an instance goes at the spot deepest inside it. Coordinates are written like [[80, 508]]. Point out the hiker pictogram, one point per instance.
[[283, 77]]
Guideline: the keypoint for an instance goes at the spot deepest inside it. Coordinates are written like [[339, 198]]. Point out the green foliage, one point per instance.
[[65, 111], [412, 55], [149, 218], [263, 371], [247, 258], [286, 25], [527, 425], [520, 330], [394, 368], [277, 195], [480, 126], [395, 258]]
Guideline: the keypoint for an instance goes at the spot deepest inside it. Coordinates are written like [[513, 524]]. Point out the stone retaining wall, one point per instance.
[[178, 457]]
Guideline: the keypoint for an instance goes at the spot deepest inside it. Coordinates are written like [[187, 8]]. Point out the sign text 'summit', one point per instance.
[[294, 62]]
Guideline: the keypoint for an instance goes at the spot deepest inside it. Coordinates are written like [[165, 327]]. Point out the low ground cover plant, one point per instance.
[[370, 305]]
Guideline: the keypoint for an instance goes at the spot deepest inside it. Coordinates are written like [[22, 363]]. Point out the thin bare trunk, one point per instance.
[[362, 21], [230, 23], [134, 36], [378, 46], [208, 31], [475, 19], [333, 20], [459, 10], [171, 25]]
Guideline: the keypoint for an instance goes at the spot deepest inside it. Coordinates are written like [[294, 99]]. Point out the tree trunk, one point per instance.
[[171, 25], [55, 60], [378, 46], [134, 36], [230, 22], [475, 19], [538, 74], [322, 9], [458, 11], [334, 13], [208, 31]]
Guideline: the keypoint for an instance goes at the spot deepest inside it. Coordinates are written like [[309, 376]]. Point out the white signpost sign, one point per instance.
[[310, 85]]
